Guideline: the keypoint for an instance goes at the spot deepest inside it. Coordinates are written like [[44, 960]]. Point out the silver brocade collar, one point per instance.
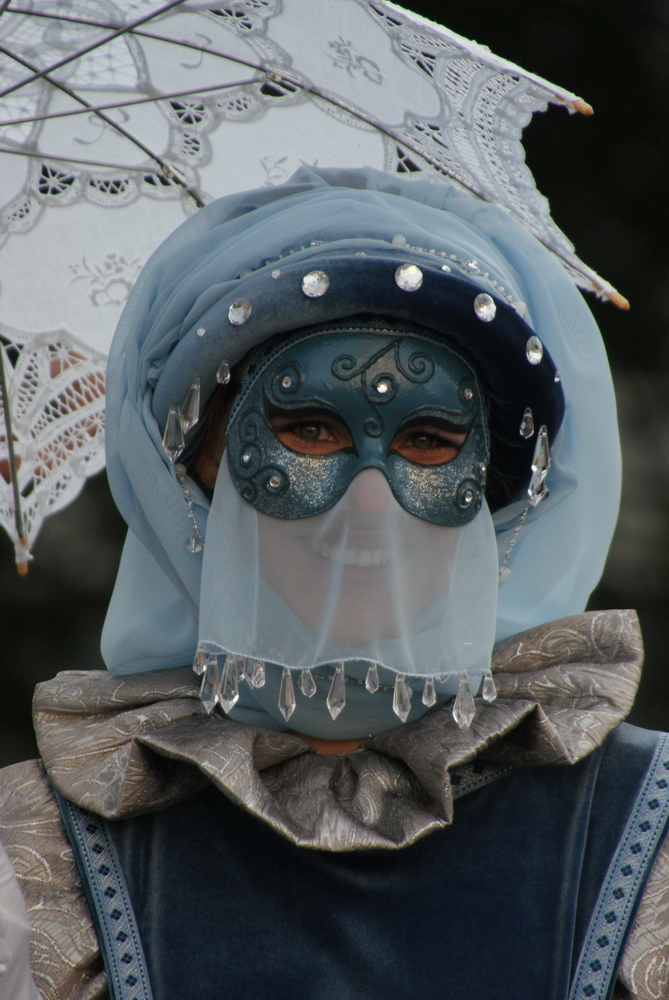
[[120, 746]]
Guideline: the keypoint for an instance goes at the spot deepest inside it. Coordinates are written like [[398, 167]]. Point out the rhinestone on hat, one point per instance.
[[409, 277], [201, 330], [534, 350], [484, 307], [274, 482], [383, 386], [468, 393], [239, 312], [315, 284], [286, 382], [276, 273]]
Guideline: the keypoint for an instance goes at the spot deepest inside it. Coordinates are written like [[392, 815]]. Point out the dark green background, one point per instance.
[[605, 177]]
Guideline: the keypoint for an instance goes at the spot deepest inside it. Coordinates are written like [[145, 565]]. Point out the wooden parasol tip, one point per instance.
[[22, 566], [583, 107], [618, 300]]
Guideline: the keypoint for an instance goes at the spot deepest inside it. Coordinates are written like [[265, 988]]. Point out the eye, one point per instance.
[[428, 444], [311, 434]]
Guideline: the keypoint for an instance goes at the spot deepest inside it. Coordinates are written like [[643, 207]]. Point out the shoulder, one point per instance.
[[644, 969], [64, 953]]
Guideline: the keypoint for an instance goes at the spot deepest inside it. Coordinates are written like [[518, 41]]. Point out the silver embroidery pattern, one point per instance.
[[644, 969], [64, 954]]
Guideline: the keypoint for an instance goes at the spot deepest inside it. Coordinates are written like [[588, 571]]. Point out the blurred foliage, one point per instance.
[[604, 178]]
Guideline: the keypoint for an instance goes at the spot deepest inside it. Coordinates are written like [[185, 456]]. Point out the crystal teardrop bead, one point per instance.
[[488, 689], [526, 429], [484, 307], [372, 679], [534, 350], [239, 312], [190, 411], [223, 373], [242, 672], [307, 683], [429, 694], [229, 690], [408, 277], [194, 544], [256, 675], [173, 438], [286, 694], [401, 698], [464, 708], [541, 463], [209, 686], [199, 661], [336, 699]]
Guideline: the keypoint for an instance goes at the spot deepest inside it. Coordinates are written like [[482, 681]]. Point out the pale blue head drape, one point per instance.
[[152, 620]]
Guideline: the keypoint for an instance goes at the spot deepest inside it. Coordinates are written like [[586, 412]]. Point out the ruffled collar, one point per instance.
[[120, 746]]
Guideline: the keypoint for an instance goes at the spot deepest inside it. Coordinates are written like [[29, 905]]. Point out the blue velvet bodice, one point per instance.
[[495, 907]]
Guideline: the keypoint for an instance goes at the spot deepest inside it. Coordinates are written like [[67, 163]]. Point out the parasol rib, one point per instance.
[[168, 170], [44, 73], [84, 163], [126, 104], [13, 468]]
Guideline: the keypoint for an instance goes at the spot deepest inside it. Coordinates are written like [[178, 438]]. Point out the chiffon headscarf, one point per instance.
[[559, 556]]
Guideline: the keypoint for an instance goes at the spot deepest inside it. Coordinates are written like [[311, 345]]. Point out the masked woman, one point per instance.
[[361, 430]]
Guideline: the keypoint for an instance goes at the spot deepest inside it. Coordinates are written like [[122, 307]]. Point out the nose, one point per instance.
[[369, 493]]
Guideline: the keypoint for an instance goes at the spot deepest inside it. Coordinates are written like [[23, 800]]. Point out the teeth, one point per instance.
[[353, 557]]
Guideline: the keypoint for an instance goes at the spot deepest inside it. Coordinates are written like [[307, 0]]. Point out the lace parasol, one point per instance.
[[119, 118]]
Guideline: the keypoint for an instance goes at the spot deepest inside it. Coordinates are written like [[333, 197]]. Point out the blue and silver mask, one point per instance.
[[378, 379]]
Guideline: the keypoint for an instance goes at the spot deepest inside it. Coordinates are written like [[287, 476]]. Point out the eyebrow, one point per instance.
[[442, 422]]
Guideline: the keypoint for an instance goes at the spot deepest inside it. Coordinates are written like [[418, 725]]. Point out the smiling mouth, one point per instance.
[[350, 556]]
